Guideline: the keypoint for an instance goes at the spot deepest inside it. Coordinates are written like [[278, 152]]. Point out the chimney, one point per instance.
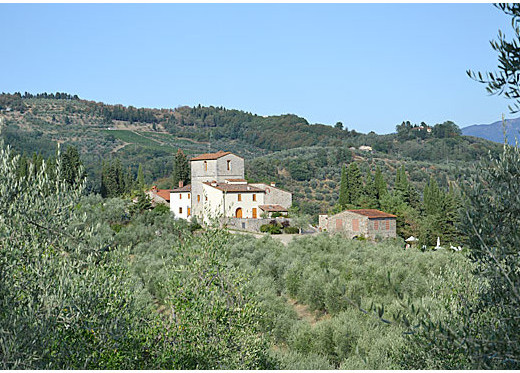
[[214, 183], [181, 183], [273, 184]]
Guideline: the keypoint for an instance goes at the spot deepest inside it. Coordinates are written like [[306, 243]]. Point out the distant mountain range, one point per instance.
[[495, 131]]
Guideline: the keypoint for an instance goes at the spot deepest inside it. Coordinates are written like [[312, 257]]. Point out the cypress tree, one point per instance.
[[355, 183], [450, 217], [140, 177], [112, 179], [401, 182], [103, 188], [380, 184], [70, 165], [181, 168], [344, 197], [118, 178], [369, 198], [433, 199], [23, 166], [413, 198], [128, 180]]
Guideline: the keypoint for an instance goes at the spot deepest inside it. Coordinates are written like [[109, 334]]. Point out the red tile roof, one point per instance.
[[186, 188], [373, 213], [236, 180], [235, 187], [273, 208], [163, 193], [210, 156]]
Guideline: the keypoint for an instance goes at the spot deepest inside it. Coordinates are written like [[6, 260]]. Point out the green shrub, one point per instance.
[[272, 228], [116, 227], [275, 229], [194, 225], [265, 228], [291, 230], [161, 209]]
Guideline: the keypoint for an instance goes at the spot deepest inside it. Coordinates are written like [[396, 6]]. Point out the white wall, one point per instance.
[[180, 200], [211, 203], [247, 204], [220, 204]]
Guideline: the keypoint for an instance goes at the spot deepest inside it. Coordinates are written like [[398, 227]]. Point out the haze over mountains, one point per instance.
[[495, 131]]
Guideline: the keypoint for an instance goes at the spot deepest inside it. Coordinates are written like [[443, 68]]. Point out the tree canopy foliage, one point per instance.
[[507, 80], [72, 298]]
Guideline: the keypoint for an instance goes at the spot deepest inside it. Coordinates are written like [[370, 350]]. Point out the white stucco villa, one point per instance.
[[218, 190]]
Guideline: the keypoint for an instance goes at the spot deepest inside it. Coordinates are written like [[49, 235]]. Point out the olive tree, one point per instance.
[[66, 300], [506, 81]]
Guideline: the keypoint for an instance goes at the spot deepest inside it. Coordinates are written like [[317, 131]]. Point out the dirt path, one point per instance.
[[119, 147], [304, 313], [149, 138]]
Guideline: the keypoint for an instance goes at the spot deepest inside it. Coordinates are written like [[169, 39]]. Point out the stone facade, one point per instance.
[[251, 225], [275, 196], [354, 223], [227, 166]]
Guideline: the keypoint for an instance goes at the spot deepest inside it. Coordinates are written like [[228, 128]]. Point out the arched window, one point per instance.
[[205, 165], [238, 212]]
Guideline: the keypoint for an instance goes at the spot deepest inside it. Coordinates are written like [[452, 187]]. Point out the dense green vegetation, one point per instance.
[[89, 282], [74, 293], [313, 290], [141, 290]]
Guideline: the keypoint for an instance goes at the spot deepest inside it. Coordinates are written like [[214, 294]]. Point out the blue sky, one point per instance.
[[370, 66]]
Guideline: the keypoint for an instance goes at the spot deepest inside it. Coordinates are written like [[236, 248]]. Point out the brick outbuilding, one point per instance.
[[370, 223]]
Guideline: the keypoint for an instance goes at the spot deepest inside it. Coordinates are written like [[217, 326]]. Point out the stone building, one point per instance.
[[158, 196], [369, 223], [275, 196], [218, 190]]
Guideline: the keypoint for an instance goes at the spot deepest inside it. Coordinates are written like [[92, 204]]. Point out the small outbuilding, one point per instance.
[[369, 223], [269, 210]]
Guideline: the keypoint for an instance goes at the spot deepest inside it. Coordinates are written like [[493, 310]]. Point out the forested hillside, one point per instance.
[[308, 157]]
